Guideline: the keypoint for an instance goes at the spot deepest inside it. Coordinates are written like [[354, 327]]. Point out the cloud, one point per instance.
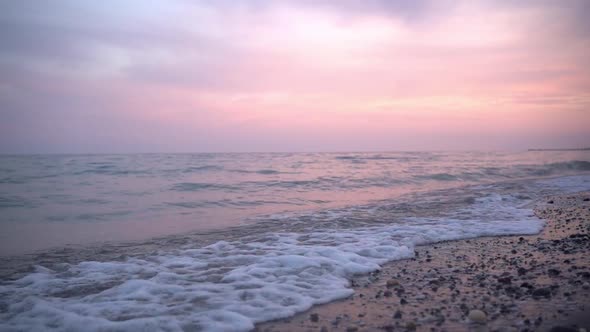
[[207, 74]]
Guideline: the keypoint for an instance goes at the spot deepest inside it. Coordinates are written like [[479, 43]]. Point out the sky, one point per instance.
[[86, 76]]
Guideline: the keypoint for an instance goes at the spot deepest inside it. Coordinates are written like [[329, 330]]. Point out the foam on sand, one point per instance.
[[231, 285]]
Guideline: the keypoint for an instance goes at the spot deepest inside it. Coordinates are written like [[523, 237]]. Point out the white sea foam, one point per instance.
[[231, 285]]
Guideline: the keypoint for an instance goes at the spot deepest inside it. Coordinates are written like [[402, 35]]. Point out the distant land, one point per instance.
[[565, 149]]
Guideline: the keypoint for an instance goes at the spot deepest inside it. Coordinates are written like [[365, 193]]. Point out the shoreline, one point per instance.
[[520, 283], [30, 254]]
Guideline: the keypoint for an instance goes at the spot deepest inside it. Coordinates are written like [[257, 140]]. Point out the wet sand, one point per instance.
[[514, 283]]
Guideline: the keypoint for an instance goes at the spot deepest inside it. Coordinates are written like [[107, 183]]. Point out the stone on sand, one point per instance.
[[392, 283], [477, 316]]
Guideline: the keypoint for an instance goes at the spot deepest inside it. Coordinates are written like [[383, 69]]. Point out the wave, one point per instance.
[[197, 186], [202, 168], [401, 157], [438, 177], [15, 202], [574, 165], [261, 171], [347, 157], [520, 171], [233, 284], [110, 170], [228, 203], [12, 180], [267, 171], [102, 216]]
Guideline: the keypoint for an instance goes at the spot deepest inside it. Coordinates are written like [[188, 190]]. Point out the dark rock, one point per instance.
[[521, 271], [542, 292], [336, 321], [392, 283], [411, 326], [314, 317], [553, 272], [388, 328], [403, 302], [397, 315], [464, 308], [563, 329], [578, 236], [505, 280], [511, 290]]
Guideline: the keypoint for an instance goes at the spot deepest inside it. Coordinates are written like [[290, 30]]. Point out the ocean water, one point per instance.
[[219, 242]]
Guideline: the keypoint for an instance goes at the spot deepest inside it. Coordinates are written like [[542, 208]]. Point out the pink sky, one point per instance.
[[255, 75]]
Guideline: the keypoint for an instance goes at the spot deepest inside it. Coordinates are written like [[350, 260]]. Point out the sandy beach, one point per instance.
[[514, 283], [295, 165]]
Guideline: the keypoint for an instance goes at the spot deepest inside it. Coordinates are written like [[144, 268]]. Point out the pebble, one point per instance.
[[507, 329], [542, 292], [563, 329], [392, 283], [477, 316], [411, 326]]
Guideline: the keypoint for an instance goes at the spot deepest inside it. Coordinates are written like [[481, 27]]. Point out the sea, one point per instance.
[[222, 241]]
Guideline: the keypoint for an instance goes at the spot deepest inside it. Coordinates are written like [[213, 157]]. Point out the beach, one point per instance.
[[259, 165], [387, 241], [520, 283]]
